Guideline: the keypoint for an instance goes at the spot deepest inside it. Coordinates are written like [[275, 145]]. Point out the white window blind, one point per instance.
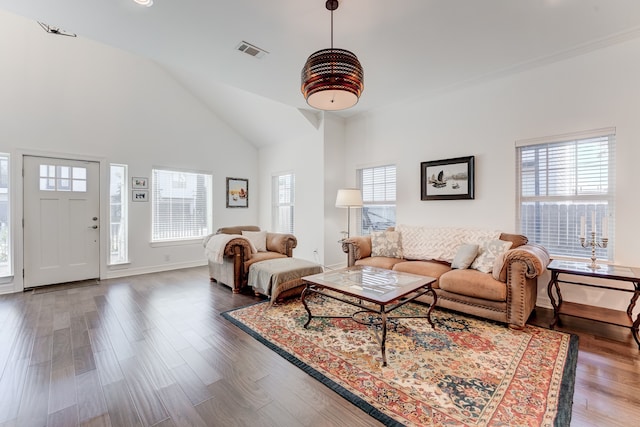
[[562, 181], [283, 202], [118, 215], [181, 205], [378, 185]]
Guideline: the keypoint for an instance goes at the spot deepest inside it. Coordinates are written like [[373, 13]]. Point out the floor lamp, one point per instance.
[[349, 198]]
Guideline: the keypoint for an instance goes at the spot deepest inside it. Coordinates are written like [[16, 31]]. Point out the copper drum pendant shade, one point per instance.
[[332, 79]]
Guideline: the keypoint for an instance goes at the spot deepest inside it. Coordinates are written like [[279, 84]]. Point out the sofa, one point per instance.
[[484, 273], [232, 250]]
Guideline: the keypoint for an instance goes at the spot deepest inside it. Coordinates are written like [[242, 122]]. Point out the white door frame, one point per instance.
[[17, 208]]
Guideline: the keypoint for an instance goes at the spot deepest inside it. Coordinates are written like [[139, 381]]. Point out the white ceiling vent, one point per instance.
[[250, 49]]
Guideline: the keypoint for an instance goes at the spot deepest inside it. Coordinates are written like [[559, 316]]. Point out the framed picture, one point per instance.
[[139, 195], [447, 179], [139, 182], [237, 193]]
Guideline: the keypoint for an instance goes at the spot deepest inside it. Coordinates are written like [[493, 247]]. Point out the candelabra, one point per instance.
[[594, 244]]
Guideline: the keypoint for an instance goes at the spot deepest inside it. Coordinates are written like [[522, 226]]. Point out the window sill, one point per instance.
[[184, 242]]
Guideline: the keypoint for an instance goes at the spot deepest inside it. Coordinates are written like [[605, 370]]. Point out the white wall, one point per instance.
[[599, 89], [76, 98], [304, 157]]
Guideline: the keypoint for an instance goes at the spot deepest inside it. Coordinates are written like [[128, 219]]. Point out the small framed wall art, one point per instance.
[[237, 193], [139, 195], [138, 183], [447, 179]]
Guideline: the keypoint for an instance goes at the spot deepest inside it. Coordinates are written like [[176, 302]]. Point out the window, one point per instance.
[[283, 197], [181, 205], [118, 215], [378, 186], [5, 230], [63, 178], [562, 180]]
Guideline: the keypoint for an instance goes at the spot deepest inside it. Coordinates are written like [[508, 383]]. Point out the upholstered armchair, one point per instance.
[[230, 254]]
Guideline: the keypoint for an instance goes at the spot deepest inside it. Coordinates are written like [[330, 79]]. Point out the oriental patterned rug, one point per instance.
[[465, 372]]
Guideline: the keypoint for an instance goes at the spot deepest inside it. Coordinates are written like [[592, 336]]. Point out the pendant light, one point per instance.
[[332, 79]]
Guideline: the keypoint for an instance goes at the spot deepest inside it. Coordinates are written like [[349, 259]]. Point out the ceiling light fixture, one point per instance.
[[147, 3], [332, 79]]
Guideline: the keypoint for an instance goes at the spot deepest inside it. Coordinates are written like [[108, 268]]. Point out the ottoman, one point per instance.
[[280, 277]]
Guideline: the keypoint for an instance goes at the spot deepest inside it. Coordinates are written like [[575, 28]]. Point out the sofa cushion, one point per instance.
[[488, 253], [379, 261], [261, 256], [257, 238], [439, 243], [473, 283], [423, 268], [465, 256], [386, 243]]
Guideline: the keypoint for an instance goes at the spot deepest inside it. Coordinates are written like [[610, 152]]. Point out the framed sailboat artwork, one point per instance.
[[447, 179]]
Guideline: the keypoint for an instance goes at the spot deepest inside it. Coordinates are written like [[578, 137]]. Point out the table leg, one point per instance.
[[383, 341], [435, 299], [303, 297], [632, 304], [556, 306]]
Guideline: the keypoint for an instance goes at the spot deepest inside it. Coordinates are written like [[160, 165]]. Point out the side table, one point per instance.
[[600, 314]]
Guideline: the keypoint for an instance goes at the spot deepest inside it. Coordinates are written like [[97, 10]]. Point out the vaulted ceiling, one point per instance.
[[408, 48]]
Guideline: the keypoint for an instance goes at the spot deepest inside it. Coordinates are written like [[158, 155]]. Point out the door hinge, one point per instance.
[[23, 273], [22, 222]]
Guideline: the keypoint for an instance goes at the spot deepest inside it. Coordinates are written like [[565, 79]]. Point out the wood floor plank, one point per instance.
[[67, 417], [203, 370], [35, 397], [62, 389], [91, 401], [83, 360], [62, 354], [108, 367], [180, 408], [42, 349], [122, 410], [167, 353], [99, 421], [142, 391], [193, 387], [12, 384], [154, 368]]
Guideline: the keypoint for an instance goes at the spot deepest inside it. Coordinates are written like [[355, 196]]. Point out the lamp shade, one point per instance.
[[349, 198], [332, 79]]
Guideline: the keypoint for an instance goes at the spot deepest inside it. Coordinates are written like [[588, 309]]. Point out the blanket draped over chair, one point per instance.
[[215, 247]]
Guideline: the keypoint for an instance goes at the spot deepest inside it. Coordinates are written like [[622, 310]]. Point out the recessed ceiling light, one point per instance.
[[144, 2]]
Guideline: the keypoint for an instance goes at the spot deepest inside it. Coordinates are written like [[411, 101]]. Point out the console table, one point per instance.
[[609, 272]]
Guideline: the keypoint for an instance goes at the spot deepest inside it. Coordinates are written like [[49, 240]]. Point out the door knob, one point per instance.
[[95, 218]]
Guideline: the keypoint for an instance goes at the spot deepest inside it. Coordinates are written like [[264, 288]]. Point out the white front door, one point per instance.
[[61, 220]]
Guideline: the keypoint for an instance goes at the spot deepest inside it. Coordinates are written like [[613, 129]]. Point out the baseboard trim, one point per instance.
[[114, 273]]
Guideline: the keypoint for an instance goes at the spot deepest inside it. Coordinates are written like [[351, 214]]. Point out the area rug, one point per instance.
[[465, 372]]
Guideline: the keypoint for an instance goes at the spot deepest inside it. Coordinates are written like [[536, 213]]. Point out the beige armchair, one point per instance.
[[238, 256]]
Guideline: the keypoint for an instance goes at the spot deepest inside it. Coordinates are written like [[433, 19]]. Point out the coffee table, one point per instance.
[[384, 290]]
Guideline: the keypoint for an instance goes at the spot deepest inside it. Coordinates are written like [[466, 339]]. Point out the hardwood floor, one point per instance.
[[154, 350]]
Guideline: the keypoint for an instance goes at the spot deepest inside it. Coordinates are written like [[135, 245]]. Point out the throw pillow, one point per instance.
[[465, 256], [488, 253], [386, 243], [258, 239]]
